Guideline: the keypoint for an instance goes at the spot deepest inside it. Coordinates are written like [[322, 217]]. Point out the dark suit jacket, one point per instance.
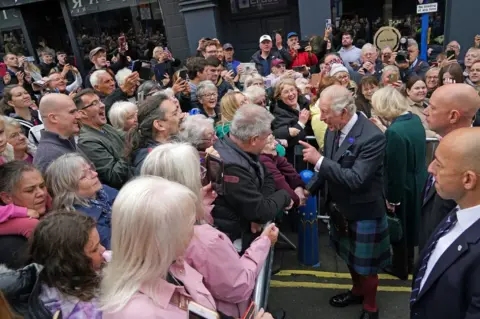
[[452, 289], [434, 210], [354, 173]]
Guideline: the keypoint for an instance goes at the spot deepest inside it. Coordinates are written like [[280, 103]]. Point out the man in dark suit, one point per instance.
[[446, 284], [450, 107], [352, 169]]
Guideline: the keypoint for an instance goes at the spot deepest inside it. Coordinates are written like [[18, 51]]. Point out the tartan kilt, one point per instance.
[[366, 246]]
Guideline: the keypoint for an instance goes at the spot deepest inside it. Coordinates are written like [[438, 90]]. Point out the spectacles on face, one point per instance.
[[93, 103], [432, 77], [210, 95], [88, 172]]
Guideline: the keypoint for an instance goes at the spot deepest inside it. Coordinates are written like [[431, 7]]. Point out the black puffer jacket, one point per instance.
[[21, 289]]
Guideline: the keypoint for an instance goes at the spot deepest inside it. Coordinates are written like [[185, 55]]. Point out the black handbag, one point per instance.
[[394, 228]]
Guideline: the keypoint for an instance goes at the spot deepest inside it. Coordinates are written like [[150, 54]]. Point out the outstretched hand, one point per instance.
[[310, 153]]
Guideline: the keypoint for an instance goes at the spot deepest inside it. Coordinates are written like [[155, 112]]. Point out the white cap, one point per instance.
[[265, 37], [337, 68]]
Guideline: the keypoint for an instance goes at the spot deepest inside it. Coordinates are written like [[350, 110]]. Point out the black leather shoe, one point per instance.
[[345, 299], [369, 315]]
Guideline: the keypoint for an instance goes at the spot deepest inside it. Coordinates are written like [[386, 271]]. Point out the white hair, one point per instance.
[[177, 162], [340, 98], [368, 47], [249, 121], [412, 43], [122, 75], [254, 92], [118, 113], [252, 78], [204, 87], [152, 224], [192, 129], [95, 77]]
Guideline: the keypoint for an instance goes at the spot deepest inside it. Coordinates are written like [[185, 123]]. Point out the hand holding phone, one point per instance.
[[197, 311]]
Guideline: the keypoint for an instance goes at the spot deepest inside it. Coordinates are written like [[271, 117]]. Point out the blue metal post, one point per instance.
[[424, 45]]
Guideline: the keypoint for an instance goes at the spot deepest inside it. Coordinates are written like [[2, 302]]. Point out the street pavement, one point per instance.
[[303, 292]]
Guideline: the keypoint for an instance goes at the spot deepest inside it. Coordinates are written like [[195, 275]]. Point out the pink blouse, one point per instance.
[[144, 305], [227, 275]]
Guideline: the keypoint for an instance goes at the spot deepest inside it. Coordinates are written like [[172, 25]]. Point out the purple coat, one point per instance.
[[285, 176]]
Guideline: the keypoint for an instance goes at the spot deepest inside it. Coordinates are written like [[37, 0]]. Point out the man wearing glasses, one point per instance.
[[103, 145]]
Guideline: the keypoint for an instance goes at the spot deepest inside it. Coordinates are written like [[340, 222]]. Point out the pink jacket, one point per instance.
[[158, 305], [14, 221], [227, 275]]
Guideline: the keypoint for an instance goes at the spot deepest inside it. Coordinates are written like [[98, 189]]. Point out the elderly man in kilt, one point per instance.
[[351, 169]]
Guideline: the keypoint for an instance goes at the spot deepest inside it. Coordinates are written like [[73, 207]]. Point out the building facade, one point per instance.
[[69, 24]]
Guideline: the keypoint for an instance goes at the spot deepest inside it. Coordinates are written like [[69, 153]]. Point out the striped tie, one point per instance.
[[444, 229]]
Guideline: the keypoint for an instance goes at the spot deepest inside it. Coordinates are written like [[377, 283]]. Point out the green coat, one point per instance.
[[106, 150], [406, 171]]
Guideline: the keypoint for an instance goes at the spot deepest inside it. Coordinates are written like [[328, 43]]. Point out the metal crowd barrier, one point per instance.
[[262, 284]]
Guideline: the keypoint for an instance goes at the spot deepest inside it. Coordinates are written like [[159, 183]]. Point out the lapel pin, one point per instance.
[[351, 140], [459, 247]]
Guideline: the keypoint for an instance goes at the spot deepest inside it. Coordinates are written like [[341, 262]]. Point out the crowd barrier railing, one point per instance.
[[262, 284]]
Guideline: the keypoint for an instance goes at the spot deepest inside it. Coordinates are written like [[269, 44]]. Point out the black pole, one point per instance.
[[71, 34], [28, 40]]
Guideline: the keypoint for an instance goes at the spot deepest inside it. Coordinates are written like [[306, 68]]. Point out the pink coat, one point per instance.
[[227, 275], [158, 305], [14, 221]]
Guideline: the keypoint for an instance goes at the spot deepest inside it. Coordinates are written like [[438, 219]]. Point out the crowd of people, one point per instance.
[[126, 196]]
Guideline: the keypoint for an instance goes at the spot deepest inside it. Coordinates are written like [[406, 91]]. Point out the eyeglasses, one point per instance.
[[94, 103], [89, 172], [210, 95]]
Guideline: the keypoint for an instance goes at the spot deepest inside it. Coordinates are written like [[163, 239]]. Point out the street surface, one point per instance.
[[303, 292]]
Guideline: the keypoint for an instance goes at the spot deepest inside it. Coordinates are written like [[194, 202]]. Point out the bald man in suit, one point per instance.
[[451, 107], [446, 283]]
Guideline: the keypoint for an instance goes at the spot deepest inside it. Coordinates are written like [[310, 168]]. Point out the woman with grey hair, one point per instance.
[[257, 95], [207, 94], [229, 277], [123, 115], [198, 131], [148, 88], [254, 79], [76, 187]]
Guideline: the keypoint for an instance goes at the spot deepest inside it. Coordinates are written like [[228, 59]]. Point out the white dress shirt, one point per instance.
[[466, 218], [343, 134]]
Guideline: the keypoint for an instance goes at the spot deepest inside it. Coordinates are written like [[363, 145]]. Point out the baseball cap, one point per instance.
[[265, 37], [292, 34], [227, 46], [276, 62], [96, 51]]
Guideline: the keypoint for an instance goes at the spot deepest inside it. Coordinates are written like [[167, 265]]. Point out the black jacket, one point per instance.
[[452, 288], [420, 69], [282, 54], [286, 118], [46, 68], [354, 173], [249, 192], [21, 289]]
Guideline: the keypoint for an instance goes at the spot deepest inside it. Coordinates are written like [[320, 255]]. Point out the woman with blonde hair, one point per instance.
[[229, 277], [229, 104], [405, 172], [6, 150], [146, 277]]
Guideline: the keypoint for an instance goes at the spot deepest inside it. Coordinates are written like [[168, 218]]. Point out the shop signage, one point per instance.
[[82, 7], [242, 5], [9, 18], [387, 37], [427, 8], [12, 3]]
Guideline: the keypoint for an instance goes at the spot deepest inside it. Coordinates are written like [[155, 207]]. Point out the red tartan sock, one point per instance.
[[369, 285], [357, 282]]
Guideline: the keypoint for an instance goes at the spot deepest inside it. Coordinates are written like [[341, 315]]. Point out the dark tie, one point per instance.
[[429, 185], [337, 141], [444, 228]]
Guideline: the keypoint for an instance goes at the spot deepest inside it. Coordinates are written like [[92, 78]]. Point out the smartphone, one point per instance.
[[183, 74], [393, 78], [122, 43], [450, 54], [70, 60], [197, 311], [215, 173], [3, 69], [30, 59], [250, 313], [328, 23], [299, 69]]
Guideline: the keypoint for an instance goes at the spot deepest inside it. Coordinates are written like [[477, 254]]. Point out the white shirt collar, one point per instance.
[[348, 127], [468, 216]]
